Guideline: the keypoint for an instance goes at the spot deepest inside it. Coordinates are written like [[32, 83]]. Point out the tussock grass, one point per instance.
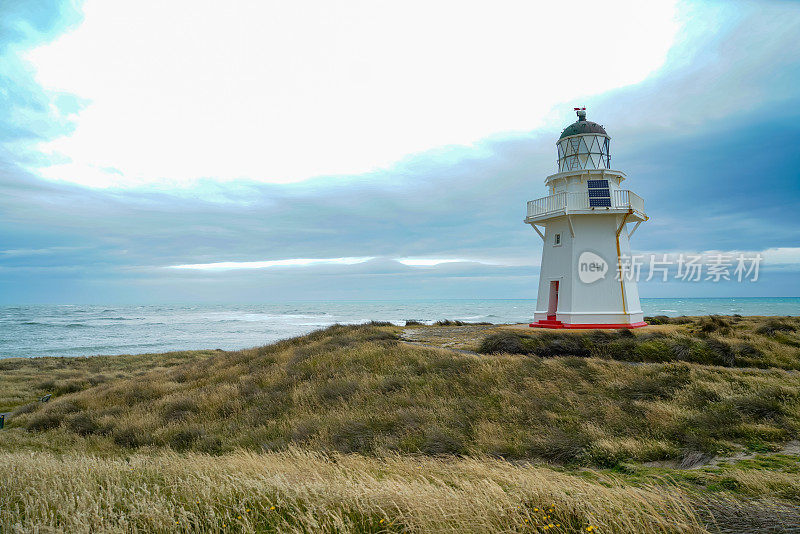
[[349, 430], [356, 389], [450, 322], [302, 491], [712, 340], [299, 491], [24, 380]]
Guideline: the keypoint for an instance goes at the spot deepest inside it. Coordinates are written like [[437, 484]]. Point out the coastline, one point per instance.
[[132, 329]]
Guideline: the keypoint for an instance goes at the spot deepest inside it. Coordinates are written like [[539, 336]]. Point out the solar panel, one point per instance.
[[593, 184], [602, 202], [599, 193]]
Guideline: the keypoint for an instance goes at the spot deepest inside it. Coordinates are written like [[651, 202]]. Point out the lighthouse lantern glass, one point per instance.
[[583, 152]]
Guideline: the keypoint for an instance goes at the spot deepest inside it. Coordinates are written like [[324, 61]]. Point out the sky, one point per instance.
[[171, 152]]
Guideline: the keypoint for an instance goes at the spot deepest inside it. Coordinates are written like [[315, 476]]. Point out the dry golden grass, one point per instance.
[[299, 491]]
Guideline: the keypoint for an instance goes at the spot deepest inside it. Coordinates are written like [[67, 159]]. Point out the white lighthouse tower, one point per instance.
[[585, 229]]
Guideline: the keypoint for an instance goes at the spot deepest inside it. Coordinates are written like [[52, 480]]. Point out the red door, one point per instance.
[[552, 305]]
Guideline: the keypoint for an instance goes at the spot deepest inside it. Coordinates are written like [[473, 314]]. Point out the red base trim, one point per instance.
[[547, 323]]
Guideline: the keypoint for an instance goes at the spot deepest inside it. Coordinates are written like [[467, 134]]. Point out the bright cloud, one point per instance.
[[282, 91], [782, 256], [432, 262], [294, 262]]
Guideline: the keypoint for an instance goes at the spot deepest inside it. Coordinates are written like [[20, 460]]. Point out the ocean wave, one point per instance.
[[265, 317], [56, 325]]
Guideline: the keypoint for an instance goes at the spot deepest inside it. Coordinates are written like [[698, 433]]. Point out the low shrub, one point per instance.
[[71, 386], [337, 389], [504, 342], [714, 323], [618, 348], [97, 379], [439, 441], [658, 319], [352, 436], [52, 416], [179, 409], [129, 437], [26, 408], [44, 421], [560, 345], [772, 326], [655, 350], [663, 319], [47, 385], [659, 384], [560, 446], [184, 438], [448, 322], [711, 351], [83, 424]]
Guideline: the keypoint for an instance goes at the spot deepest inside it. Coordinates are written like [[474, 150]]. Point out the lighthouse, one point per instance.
[[586, 223]]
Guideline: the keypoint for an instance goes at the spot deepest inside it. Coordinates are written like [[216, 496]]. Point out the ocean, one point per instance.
[[73, 330]]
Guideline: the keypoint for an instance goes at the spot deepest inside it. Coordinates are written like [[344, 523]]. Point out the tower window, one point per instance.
[[557, 240]]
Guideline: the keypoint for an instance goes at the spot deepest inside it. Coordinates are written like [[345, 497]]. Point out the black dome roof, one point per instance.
[[582, 126]]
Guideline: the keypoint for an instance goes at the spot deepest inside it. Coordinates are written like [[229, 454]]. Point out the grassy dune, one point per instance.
[[349, 426]]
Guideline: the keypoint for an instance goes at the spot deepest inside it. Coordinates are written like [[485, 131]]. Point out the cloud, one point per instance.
[[28, 112], [713, 178], [432, 262], [24, 252], [293, 262], [278, 92], [782, 256]]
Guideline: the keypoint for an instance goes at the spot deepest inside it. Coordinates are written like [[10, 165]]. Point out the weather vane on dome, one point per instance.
[[581, 113]]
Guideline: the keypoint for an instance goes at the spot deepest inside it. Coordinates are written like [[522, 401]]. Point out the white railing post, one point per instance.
[[637, 202], [548, 204], [621, 198]]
